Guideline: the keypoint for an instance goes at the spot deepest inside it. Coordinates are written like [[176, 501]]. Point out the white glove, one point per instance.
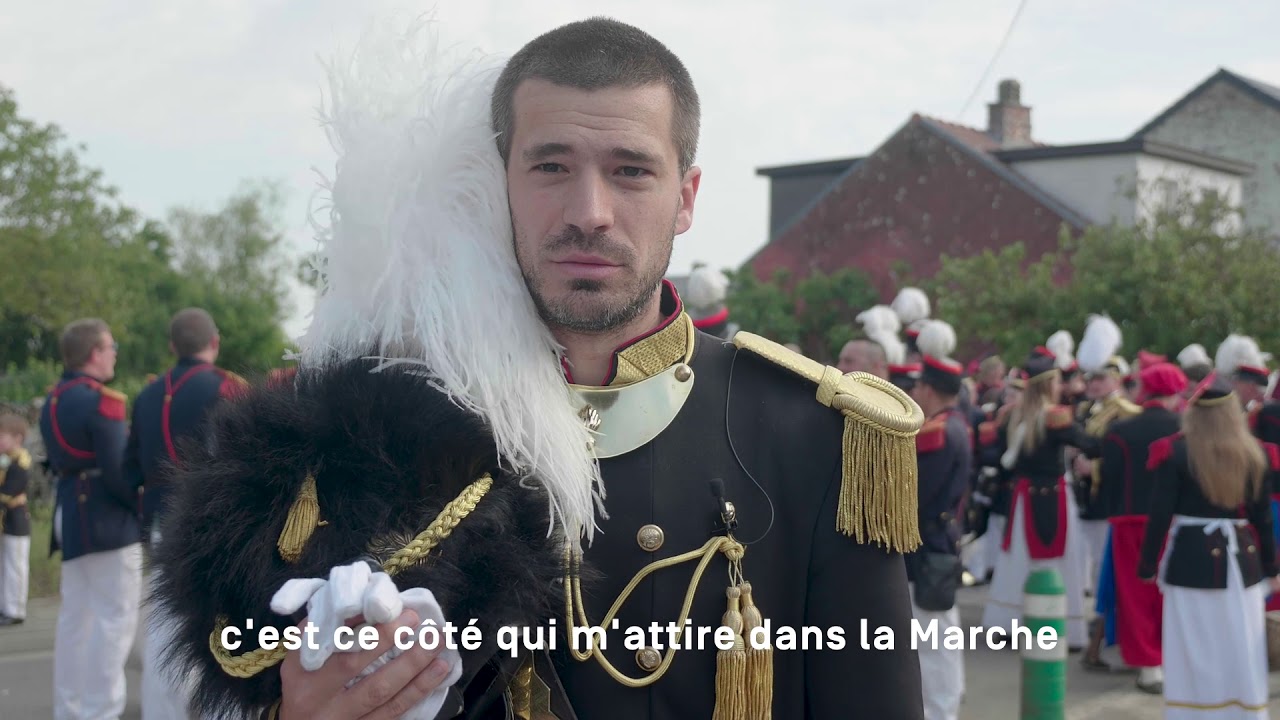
[[353, 590]]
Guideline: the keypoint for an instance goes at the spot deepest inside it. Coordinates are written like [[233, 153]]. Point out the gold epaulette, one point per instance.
[[878, 489], [1109, 410]]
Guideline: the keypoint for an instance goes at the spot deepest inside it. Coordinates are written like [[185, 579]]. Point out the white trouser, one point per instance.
[[15, 569], [164, 697], [1094, 545], [96, 623], [941, 669]]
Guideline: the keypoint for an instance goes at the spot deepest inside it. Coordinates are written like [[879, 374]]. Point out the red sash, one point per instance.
[[170, 389], [53, 418]]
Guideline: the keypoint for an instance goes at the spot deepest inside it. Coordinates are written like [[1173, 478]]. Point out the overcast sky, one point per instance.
[[179, 101]]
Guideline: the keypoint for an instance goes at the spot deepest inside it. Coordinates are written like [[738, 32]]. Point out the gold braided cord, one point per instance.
[[574, 605], [255, 661]]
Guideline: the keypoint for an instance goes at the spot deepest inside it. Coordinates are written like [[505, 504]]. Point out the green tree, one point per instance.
[[1189, 273], [816, 312]]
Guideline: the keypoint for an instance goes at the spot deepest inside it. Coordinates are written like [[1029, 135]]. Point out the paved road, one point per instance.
[[992, 677]]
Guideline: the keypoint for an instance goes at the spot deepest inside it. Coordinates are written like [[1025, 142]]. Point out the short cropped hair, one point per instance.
[[594, 54], [191, 331], [79, 339]]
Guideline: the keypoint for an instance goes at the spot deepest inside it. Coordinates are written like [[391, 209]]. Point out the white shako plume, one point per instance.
[[417, 261], [1061, 344], [937, 340]]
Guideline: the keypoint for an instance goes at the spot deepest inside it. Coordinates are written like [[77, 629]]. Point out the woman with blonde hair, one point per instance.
[[1212, 480], [1042, 512]]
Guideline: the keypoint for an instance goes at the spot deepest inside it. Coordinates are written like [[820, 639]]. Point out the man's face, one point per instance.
[[992, 375], [102, 362], [922, 394], [597, 199], [9, 442], [1101, 385]]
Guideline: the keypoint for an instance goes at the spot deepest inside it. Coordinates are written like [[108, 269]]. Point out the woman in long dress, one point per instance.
[[1042, 513], [1215, 572]]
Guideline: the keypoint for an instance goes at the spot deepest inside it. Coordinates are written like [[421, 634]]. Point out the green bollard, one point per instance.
[[1044, 671]]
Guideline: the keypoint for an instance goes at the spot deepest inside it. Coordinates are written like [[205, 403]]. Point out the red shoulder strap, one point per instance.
[[170, 389], [1273, 455], [53, 417], [1160, 451]]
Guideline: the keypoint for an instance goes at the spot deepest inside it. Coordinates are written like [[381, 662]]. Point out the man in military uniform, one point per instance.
[[1132, 608], [707, 292], [168, 413], [1104, 373], [95, 525], [791, 486], [944, 456]]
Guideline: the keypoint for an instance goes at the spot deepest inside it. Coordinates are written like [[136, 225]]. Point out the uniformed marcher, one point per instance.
[[167, 414], [707, 292], [1104, 372], [912, 306], [1042, 511], [1211, 484], [95, 526], [15, 522], [789, 485], [944, 454], [1127, 487]]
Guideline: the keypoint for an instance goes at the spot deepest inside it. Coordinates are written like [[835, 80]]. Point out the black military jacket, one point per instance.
[[14, 518], [1266, 422], [778, 452], [1126, 483], [159, 427], [944, 457], [1196, 559], [84, 431]]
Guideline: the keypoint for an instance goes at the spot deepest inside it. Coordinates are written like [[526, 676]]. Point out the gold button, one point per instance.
[[683, 373], [648, 659], [1215, 552], [1253, 549], [650, 537]]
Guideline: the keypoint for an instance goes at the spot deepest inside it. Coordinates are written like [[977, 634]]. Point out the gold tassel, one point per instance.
[[303, 519], [759, 661], [878, 488], [731, 667]]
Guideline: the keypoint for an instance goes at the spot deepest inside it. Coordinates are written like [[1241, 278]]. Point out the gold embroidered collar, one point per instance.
[[657, 350]]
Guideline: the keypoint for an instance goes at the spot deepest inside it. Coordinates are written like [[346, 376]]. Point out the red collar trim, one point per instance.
[[712, 320], [904, 369]]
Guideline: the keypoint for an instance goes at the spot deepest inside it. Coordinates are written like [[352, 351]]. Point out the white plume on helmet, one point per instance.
[[1194, 354], [1238, 351], [1101, 341], [706, 289], [1061, 344], [417, 211], [911, 305], [937, 340], [879, 319]]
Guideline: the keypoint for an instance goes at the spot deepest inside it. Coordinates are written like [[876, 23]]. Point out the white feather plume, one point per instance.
[[879, 319], [937, 339], [706, 289], [895, 350], [1194, 354], [1061, 344], [911, 305], [417, 262], [1235, 351], [1101, 341]]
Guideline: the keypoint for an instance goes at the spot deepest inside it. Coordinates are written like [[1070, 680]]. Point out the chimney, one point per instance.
[[1008, 120]]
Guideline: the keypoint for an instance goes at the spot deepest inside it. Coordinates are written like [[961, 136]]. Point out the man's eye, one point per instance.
[[550, 167], [633, 172]]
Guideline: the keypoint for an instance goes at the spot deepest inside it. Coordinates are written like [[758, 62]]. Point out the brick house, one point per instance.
[[935, 188]]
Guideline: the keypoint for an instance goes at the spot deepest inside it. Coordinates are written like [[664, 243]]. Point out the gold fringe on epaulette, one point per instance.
[[878, 495], [759, 660], [303, 519]]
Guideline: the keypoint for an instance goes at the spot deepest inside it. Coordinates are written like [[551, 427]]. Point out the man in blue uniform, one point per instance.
[[95, 526], [167, 413], [944, 455]]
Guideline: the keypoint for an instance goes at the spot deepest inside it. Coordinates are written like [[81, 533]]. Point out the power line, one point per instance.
[[1000, 48]]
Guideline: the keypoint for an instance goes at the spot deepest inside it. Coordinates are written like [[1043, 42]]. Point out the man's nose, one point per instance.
[[590, 205]]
